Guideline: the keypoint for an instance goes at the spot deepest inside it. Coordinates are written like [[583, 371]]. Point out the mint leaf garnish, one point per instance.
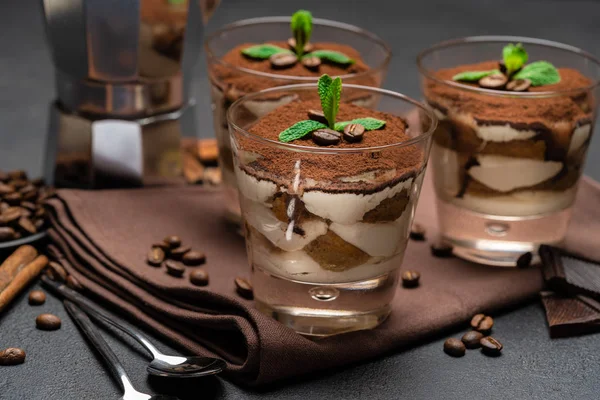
[[369, 123], [323, 87], [301, 29], [539, 73], [332, 56], [473, 76], [331, 102], [263, 51], [514, 56], [299, 130]]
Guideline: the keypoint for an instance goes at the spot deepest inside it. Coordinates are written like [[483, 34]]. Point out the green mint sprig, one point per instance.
[[263, 51], [330, 96], [473, 76], [330, 93], [539, 73], [514, 57], [332, 56], [301, 26]]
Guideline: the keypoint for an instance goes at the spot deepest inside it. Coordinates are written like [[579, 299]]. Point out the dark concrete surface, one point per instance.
[[61, 365]]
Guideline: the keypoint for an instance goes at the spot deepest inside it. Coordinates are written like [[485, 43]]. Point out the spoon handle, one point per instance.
[[97, 313], [114, 365]]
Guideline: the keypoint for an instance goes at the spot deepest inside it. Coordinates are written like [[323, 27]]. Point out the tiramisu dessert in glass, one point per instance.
[[328, 191], [256, 54], [515, 120]]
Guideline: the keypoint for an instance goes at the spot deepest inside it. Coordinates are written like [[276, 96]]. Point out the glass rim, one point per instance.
[[278, 20], [334, 150], [505, 39]]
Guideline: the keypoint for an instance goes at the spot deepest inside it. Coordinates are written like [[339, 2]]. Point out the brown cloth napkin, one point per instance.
[[102, 238]]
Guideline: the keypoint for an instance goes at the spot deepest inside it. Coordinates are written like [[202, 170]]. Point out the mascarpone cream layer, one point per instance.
[[507, 133], [375, 239], [343, 208], [264, 221], [505, 174], [500, 173], [299, 266]]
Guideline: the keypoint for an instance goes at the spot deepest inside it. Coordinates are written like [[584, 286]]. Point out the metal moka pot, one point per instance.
[[123, 69]]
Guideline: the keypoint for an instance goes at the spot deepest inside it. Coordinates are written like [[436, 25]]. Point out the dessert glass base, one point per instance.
[[327, 227], [316, 309], [499, 241]]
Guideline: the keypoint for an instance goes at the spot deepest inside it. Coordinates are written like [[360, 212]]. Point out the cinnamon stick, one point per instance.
[[23, 277], [15, 263], [193, 170]]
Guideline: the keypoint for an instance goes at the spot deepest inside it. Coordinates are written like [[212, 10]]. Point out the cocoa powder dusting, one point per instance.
[[572, 108], [226, 76], [278, 165]]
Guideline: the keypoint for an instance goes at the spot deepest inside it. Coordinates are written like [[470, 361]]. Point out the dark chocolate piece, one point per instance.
[[569, 274], [571, 316]]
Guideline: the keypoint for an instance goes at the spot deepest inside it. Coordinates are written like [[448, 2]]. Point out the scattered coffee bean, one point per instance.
[[490, 346], [26, 225], [482, 323], [518, 85], [194, 258], [178, 253], [73, 283], [283, 60], [156, 256], [312, 63], [37, 297], [454, 347], [12, 356], [173, 241], [353, 133], [174, 268], [524, 261], [441, 249], [56, 272], [494, 81], [471, 339], [199, 277], [417, 232], [410, 279], [6, 234], [162, 245], [244, 288], [47, 322], [292, 43], [326, 137], [318, 116]]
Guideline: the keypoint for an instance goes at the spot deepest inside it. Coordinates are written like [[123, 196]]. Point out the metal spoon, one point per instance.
[[162, 364], [115, 367]]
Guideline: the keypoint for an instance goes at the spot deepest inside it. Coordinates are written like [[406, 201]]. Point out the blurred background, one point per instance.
[[27, 83]]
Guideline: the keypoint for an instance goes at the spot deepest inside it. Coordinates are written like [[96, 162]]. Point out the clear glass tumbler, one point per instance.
[[230, 82], [506, 165], [325, 246]]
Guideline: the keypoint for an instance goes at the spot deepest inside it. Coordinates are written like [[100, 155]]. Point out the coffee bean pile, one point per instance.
[[21, 205], [478, 337], [176, 256]]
